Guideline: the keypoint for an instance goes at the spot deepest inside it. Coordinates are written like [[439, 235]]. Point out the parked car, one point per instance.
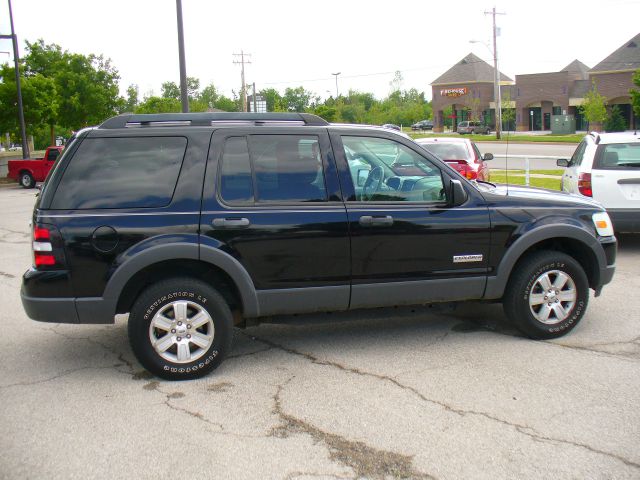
[[197, 223], [472, 127], [14, 148], [392, 126], [462, 154], [606, 167], [422, 125], [28, 172]]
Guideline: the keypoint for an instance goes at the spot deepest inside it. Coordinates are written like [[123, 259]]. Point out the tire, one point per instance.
[[527, 302], [27, 180], [162, 305]]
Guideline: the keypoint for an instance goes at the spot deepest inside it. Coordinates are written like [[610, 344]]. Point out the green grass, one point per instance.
[[551, 183], [576, 138]]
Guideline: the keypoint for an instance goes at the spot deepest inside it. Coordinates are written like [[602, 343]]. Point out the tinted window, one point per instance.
[[121, 173], [620, 155], [52, 155], [385, 170], [236, 184], [287, 168]]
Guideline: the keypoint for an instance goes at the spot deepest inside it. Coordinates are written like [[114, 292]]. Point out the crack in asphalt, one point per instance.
[[248, 354], [366, 461], [629, 356], [523, 429], [7, 275]]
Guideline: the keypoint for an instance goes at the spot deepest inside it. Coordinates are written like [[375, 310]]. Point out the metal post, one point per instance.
[[16, 58], [526, 171], [497, 95], [255, 102], [183, 66]]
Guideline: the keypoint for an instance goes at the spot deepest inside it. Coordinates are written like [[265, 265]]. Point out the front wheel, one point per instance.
[[547, 295], [180, 329], [27, 180]]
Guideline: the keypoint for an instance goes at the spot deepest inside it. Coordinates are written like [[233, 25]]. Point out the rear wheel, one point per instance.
[[547, 295], [27, 180], [180, 329]]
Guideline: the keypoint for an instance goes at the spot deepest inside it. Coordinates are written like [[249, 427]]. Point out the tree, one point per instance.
[[473, 107], [615, 122], [296, 99], [635, 93], [273, 99], [131, 102], [593, 108], [170, 90]]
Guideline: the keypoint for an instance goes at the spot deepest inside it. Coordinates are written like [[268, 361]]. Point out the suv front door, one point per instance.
[[272, 201], [408, 245]]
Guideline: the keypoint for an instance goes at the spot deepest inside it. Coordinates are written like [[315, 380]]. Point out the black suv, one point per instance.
[[196, 223]]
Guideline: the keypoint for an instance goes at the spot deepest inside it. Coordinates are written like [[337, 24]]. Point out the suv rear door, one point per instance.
[[616, 175], [272, 201]]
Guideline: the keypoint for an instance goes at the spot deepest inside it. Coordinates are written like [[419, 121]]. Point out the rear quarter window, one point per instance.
[[132, 172]]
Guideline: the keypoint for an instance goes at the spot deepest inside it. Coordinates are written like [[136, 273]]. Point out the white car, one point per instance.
[[606, 167]]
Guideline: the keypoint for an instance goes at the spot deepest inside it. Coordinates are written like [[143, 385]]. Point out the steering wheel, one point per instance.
[[373, 182], [422, 184]]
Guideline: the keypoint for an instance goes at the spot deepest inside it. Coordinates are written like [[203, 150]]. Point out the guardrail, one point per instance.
[[527, 161]]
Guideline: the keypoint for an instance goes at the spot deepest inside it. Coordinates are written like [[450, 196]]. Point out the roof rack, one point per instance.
[[208, 119], [596, 137]]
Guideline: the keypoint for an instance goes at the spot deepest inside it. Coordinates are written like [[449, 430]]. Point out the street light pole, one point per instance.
[[496, 74], [183, 65], [16, 58], [336, 75]]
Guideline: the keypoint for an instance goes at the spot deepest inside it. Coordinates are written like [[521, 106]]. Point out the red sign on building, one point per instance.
[[453, 92]]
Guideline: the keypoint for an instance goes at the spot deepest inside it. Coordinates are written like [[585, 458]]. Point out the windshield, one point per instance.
[[448, 151]]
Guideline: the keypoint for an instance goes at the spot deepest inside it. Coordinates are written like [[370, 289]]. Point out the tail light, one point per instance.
[[47, 247], [584, 184], [464, 169]]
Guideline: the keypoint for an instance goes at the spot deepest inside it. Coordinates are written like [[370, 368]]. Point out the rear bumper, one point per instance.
[[625, 219], [53, 310], [68, 310]]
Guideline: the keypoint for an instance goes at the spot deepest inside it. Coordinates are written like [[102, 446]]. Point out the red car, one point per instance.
[[461, 153], [28, 172]]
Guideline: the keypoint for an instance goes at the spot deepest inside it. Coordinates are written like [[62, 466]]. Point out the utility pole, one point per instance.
[[242, 62], [497, 95], [16, 58], [184, 97], [336, 75]]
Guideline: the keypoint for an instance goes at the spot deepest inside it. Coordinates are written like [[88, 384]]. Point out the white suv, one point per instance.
[[606, 166]]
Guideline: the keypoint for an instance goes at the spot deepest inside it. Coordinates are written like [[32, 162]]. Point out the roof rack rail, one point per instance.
[[596, 137], [208, 119]]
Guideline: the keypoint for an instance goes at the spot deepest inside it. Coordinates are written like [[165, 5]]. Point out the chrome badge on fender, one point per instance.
[[467, 258]]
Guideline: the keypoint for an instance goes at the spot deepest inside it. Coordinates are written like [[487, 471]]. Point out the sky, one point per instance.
[[295, 43]]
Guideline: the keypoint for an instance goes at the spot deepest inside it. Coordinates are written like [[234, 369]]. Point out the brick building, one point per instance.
[[466, 90]]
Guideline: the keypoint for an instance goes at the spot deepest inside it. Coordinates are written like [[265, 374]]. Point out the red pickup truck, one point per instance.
[[28, 172]]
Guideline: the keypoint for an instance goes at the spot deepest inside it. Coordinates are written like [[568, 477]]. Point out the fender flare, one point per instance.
[[176, 251], [497, 284]]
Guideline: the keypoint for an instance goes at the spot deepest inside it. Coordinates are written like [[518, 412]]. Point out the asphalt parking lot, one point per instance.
[[385, 394]]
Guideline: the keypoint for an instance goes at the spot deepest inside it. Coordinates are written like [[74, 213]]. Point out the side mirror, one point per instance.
[[458, 193], [562, 162], [487, 156]]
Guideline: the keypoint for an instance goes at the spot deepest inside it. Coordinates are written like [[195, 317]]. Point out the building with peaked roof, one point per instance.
[[466, 91]]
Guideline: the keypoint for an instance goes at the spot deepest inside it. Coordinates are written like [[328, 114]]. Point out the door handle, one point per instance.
[[230, 222], [382, 221]]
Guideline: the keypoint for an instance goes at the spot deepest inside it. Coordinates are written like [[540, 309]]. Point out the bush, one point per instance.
[[615, 122]]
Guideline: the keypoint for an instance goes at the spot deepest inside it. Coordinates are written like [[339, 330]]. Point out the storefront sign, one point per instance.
[[453, 92]]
